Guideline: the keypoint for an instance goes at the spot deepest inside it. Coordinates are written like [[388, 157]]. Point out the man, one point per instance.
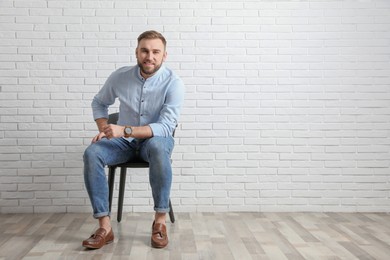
[[150, 97]]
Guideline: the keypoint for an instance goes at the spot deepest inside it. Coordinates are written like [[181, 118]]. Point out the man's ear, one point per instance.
[[165, 56]]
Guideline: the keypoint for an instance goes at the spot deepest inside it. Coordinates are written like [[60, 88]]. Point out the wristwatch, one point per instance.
[[128, 130]]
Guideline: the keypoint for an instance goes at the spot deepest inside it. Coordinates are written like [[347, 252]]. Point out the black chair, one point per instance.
[[113, 119]]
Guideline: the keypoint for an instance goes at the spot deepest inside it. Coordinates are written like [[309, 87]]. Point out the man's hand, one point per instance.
[[113, 131], [98, 137]]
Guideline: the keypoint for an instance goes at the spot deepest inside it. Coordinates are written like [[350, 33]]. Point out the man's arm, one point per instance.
[[115, 131], [141, 132], [101, 124]]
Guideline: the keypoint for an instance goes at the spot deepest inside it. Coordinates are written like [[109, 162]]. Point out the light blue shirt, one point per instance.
[[155, 101]]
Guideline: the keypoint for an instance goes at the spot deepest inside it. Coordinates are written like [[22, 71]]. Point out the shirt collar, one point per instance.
[[156, 75]]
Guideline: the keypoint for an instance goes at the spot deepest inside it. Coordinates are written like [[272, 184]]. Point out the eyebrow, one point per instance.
[[146, 49]]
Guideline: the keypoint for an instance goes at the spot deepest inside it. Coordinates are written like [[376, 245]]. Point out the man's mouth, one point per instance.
[[149, 64]]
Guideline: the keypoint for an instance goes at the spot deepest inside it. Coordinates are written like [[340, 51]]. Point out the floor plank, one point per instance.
[[202, 236]]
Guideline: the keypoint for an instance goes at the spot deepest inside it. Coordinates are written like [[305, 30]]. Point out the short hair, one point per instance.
[[152, 35]]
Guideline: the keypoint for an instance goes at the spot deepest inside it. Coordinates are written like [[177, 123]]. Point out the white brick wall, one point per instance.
[[287, 105]]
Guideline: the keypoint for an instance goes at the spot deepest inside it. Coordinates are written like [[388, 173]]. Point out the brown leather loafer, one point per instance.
[[99, 239], [159, 235]]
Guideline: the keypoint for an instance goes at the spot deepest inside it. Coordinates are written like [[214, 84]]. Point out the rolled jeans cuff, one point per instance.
[[162, 210], [102, 214]]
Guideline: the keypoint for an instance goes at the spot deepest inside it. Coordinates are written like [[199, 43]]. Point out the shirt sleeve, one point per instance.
[[104, 98], [170, 112]]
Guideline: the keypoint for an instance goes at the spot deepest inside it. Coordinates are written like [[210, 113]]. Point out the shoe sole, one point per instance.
[[157, 245], [94, 247]]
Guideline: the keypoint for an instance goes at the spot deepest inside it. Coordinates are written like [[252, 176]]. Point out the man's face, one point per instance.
[[150, 55]]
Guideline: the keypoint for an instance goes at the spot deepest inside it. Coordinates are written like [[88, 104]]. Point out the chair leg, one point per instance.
[[111, 181], [122, 184], [171, 215]]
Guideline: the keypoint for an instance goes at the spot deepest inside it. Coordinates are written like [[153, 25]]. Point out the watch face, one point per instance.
[[128, 130]]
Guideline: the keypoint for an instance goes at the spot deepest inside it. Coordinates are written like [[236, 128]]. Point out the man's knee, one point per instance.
[[159, 145], [88, 153], [91, 153]]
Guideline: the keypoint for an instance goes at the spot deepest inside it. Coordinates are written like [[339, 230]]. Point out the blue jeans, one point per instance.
[[156, 150]]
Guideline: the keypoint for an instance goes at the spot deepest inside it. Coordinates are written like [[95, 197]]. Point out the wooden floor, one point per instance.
[[202, 236]]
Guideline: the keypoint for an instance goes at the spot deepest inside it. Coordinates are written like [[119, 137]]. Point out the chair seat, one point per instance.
[[132, 164], [138, 163]]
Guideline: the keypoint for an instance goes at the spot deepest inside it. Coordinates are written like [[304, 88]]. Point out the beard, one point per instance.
[[148, 71]]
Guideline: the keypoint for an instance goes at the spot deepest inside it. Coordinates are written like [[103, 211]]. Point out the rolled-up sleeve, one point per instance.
[[103, 99], [99, 109], [170, 112]]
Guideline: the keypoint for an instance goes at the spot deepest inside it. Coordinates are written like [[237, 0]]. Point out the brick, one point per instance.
[[17, 195]]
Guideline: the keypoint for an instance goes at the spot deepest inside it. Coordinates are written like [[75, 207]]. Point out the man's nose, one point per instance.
[[149, 56]]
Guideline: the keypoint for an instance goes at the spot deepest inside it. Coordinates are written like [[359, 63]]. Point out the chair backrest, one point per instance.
[[113, 119]]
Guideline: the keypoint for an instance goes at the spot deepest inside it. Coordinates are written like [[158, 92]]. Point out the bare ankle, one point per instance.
[[160, 217], [104, 222]]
